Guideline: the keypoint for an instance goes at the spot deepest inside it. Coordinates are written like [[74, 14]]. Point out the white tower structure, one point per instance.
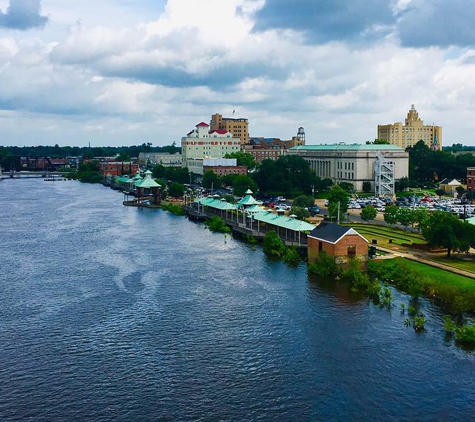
[[383, 176]]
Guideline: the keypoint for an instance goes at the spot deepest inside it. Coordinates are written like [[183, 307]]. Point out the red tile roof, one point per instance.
[[202, 124], [220, 131]]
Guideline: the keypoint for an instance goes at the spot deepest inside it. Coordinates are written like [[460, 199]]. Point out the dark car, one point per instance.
[[314, 210]]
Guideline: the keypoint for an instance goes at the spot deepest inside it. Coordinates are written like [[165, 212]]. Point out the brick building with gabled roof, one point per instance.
[[340, 242]]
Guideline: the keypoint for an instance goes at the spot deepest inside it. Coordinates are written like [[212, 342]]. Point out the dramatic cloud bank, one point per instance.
[[336, 68]]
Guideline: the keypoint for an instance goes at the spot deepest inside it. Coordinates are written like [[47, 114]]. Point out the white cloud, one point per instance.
[[116, 84]]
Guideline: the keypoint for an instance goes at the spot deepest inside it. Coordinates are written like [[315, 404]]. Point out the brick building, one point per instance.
[[341, 243], [118, 168], [471, 179]]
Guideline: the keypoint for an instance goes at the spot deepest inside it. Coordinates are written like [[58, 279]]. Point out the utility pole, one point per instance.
[[338, 218]]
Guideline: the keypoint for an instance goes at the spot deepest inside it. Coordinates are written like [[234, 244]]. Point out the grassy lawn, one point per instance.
[[453, 290], [463, 264], [441, 276], [383, 234]]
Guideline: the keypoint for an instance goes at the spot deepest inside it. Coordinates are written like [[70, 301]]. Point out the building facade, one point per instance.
[[471, 179], [202, 143], [238, 127], [273, 148], [118, 168], [353, 164], [411, 132], [341, 243], [163, 158]]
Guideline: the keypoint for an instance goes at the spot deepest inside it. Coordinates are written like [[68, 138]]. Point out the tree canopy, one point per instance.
[[286, 174], [337, 202], [243, 159], [427, 165], [448, 231]]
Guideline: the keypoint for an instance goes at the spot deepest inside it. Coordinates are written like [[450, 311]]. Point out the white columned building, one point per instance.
[[353, 163]]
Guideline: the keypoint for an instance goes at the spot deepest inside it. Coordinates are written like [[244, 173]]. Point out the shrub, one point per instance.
[[174, 209], [324, 265], [465, 335], [449, 325], [419, 323], [249, 239], [216, 224], [291, 256], [273, 244]]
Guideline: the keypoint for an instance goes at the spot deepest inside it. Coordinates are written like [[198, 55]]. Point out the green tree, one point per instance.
[[303, 201], [368, 213], [337, 202], [273, 245], [420, 216], [405, 216], [243, 159], [378, 142], [300, 212], [176, 190], [228, 179], [390, 214], [366, 186], [402, 184], [440, 192], [242, 183], [448, 231], [347, 186], [211, 179], [460, 190]]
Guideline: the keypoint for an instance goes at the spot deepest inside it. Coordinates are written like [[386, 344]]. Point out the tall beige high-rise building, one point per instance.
[[238, 127], [412, 132]]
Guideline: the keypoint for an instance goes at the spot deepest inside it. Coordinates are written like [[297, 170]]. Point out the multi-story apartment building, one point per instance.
[[272, 148], [203, 143], [411, 132], [353, 163], [471, 179], [118, 168], [238, 127]]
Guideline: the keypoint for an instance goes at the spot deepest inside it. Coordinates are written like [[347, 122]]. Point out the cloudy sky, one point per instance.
[[123, 72]]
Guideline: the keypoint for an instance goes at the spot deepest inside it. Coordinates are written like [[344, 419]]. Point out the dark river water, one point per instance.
[[116, 313]]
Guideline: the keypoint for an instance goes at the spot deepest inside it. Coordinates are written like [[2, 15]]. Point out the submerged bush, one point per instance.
[[465, 335], [324, 265], [216, 224], [273, 245], [419, 323], [249, 239], [291, 256], [174, 209]]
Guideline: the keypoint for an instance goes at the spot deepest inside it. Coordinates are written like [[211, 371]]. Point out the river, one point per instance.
[[117, 313]]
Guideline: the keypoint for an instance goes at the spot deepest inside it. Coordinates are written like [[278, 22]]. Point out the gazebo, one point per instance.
[[151, 185]]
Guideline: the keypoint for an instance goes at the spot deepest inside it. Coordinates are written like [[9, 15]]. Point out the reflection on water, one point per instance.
[[117, 313]]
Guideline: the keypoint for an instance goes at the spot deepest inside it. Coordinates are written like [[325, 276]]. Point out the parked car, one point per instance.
[[314, 210]]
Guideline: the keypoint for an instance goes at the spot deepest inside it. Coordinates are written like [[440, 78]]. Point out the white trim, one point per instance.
[[350, 231]]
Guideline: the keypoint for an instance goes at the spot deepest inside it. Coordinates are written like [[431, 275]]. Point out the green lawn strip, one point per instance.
[[396, 237], [463, 264], [389, 231], [455, 290], [442, 276]]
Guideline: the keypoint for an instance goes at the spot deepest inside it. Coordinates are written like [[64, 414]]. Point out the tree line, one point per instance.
[[10, 155]]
